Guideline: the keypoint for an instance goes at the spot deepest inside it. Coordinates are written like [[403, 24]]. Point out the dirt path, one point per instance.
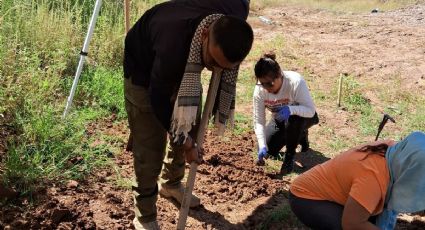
[[236, 194]]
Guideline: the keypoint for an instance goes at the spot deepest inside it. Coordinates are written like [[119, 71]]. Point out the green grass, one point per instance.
[[320, 97], [245, 87], [354, 99], [416, 120], [242, 124], [39, 45], [278, 43], [404, 105], [338, 144], [46, 148], [369, 121], [352, 96], [102, 87]]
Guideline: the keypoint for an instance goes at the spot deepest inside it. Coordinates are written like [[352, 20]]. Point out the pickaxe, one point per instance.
[[382, 124]]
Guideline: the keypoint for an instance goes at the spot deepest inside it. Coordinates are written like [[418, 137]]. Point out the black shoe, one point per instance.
[[274, 155], [287, 167]]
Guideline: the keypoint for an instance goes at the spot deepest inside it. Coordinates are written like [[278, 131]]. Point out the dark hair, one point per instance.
[[380, 149], [267, 65], [234, 36]]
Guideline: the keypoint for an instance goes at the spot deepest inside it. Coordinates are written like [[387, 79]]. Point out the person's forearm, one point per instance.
[[259, 117], [260, 134]]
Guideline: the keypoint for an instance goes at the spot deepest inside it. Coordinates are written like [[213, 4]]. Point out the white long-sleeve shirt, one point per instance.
[[293, 92]]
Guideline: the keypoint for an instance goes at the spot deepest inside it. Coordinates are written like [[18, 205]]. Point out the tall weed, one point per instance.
[[40, 41]]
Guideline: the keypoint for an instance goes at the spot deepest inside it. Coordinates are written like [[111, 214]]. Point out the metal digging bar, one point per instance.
[[382, 124], [212, 93]]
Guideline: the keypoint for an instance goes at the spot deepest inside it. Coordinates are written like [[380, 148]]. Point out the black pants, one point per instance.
[[319, 214], [290, 133]]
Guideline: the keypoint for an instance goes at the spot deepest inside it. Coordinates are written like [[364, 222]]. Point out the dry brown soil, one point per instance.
[[235, 193]]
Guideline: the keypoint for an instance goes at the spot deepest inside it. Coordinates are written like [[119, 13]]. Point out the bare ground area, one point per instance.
[[235, 193], [383, 51]]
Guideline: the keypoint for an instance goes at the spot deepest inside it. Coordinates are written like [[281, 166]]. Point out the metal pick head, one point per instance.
[[388, 117]]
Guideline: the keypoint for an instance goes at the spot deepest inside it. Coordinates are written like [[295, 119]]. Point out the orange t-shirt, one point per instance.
[[366, 181]]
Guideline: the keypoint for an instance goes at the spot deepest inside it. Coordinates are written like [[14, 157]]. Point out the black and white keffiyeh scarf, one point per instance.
[[188, 97]]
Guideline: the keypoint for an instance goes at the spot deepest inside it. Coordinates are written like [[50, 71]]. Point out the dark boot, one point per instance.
[[273, 155], [288, 164]]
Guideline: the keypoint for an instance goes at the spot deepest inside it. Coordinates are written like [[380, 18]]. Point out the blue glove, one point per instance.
[[283, 114], [261, 155]]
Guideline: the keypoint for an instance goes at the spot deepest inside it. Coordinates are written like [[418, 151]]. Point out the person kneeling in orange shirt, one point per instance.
[[364, 187]]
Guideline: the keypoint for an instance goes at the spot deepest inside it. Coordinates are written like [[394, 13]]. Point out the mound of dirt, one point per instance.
[[234, 193]]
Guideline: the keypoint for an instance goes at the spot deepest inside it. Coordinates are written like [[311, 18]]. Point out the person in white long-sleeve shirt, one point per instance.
[[286, 96]]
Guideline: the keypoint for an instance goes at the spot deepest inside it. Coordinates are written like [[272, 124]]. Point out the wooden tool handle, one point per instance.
[[209, 104]]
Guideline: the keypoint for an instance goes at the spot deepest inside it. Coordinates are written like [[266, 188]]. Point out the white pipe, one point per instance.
[[82, 56]]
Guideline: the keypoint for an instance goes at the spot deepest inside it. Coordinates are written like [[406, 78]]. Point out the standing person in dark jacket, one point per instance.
[[165, 52]]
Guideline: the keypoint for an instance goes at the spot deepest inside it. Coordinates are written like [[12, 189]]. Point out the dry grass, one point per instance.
[[337, 5]]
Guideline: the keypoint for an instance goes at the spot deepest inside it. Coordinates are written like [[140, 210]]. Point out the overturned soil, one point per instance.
[[236, 194]]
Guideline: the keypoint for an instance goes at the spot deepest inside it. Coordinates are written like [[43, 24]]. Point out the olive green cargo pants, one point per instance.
[[149, 141]]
